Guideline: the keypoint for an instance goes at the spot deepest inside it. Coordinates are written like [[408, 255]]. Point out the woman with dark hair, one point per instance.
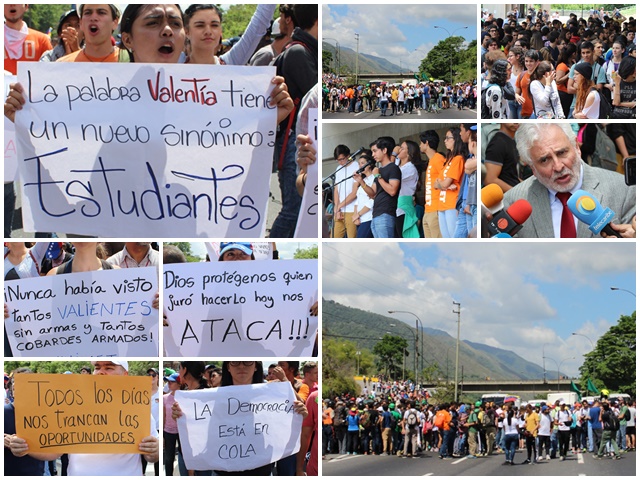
[[408, 156], [383, 99], [448, 182], [516, 59], [546, 101], [587, 97], [496, 105], [363, 206], [511, 434], [203, 27], [566, 59]]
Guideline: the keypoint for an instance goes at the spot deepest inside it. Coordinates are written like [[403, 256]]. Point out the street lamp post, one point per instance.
[[358, 353], [357, 54], [593, 348], [415, 356], [336, 61], [421, 331], [451, 54], [623, 290], [455, 394], [544, 367]]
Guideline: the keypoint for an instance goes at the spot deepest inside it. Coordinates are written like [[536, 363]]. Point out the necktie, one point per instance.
[[567, 224]]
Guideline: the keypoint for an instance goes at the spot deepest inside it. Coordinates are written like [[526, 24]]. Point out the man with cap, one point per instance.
[[89, 464], [97, 24], [473, 424], [266, 54], [170, 426], [85, 370], [68, 38]]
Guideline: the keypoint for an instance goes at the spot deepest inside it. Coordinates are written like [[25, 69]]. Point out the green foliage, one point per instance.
[[389, 352], [449, 56], [236, 19], [185, 247], [613, 362], [136, 368], [327, 60], [42, 16], [306, 253], [444, 393], [338, 367]]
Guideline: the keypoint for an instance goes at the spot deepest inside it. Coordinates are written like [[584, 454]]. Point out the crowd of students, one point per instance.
[[543, 67], [396, 99], [391, 192], [194, 36], [396, 418]]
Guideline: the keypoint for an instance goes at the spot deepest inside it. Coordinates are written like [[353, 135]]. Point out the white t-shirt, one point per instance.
[[513, 428], [363, 200], [632, 421], [345, 188], [564, 416], [545, 425]]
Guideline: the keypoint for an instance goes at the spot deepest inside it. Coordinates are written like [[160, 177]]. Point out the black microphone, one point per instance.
[[356, 153], [370, 163], [510, 219]]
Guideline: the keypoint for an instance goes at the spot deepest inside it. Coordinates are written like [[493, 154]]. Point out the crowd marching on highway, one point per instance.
[[398, 418]]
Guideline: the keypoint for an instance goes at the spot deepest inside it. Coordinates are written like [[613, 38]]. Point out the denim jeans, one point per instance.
[[514, 110], [364, 230], [462, 229], [446, 440], [383, 226], [621, 436], [447, 220], [284, 226], [510, 444]]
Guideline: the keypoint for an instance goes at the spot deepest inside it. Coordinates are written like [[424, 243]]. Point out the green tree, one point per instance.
[[185, 247], [306, 253], [338, 367], [42, 16], [612, 364], [449, 56], [389, 351], [327, 59], [236, 19]]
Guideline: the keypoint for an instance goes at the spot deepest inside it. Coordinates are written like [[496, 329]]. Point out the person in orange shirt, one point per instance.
[[523, 97], [21, 43], [429, 141], [97, 23], [448, 181]]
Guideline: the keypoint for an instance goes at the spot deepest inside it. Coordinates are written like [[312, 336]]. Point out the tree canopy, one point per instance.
[[450, 56], [306, 253], [389, 351], [612, 364]]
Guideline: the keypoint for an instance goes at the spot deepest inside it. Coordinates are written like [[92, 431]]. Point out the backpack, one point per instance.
[[393, 422], [486, 111], [365, 419], [487, 420], [610, 422], [627, 415], [412, 418], [340, 417], [605, 108], [439, 420]]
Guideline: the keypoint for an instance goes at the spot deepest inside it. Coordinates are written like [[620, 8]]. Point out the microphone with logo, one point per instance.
[[491, 196], [588, 210], [510, 220]]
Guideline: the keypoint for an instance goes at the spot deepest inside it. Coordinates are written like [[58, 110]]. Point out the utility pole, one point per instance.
[[357, 54], [455, 395]]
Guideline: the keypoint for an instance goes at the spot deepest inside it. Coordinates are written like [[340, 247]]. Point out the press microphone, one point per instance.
[[502, 235], [510, 220], [370, 163], [491, 196], [588, 210]]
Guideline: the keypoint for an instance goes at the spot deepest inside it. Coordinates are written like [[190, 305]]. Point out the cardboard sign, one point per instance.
[[235, 309], [140, 150], [238, 428], [82, 413], [307, 226], [10, 149], [102, 313]]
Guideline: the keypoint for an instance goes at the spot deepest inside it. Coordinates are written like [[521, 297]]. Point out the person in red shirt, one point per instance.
[[21, 43]]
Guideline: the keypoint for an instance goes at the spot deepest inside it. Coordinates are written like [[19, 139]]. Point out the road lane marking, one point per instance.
[[580, 458], [458, 461]]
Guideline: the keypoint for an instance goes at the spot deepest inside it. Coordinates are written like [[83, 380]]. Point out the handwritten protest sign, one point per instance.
[[103, 313], [261, 250], [308, 217], [238, 428], [82, 413], [116, 150], [10, 153], [257, 309]]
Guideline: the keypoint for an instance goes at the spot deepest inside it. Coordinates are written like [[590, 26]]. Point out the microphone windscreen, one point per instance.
[[491, 195], [520, 211]]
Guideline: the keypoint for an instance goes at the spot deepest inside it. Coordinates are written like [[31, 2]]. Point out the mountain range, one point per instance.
[[478, 361], [366, 63]]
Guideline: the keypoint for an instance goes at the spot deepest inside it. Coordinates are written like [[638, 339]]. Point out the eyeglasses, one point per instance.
[[448, 138], [341, 159], [152, 374], [245, 363]]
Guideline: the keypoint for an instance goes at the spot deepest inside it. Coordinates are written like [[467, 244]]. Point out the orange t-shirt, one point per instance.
[[81, 56], [564, 68], [35, 44], [447, 199], [433, 172], [522, 83]]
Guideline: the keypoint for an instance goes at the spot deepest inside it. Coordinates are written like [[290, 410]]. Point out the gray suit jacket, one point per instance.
[[608, 187]]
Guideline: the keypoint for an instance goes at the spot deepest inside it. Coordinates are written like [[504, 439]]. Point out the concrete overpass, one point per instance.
[[387, 77], [526, 389]]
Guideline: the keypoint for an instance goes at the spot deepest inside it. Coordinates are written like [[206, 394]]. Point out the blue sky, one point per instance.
[[395, 31], [516, 296]]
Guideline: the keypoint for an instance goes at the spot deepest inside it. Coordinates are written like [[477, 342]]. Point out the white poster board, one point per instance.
[[139, 150], [307, 226], [238, 428], [236, 309], [89, 314]]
